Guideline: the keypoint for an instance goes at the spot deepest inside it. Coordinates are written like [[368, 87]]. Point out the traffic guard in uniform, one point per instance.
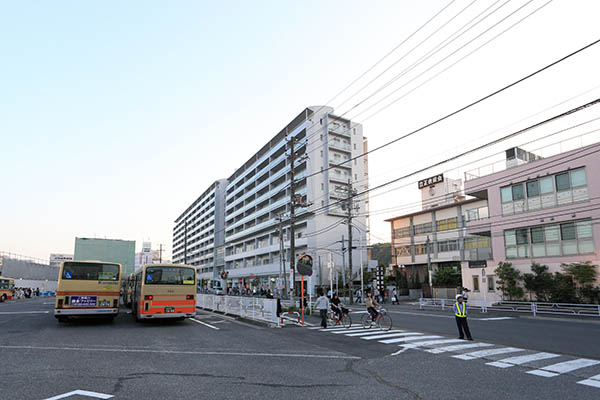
[[460, 312]]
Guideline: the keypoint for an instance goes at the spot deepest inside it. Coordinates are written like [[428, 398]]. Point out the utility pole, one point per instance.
[[343, 266], [349, 222], [291, 143], [282, 257], [429, 267], [160, 250]]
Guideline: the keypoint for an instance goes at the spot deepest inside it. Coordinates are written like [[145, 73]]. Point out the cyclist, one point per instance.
[[371, 303], [337, 306]]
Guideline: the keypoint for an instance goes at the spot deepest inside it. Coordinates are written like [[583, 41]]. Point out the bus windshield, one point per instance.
[[6, 284], [169, 276], [90, 272]]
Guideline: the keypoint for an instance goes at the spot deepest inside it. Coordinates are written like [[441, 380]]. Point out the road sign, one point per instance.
[[304, 264], [310, 273]]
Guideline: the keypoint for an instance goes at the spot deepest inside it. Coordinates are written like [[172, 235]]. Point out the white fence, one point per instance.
[[255, 308], [582, 310]]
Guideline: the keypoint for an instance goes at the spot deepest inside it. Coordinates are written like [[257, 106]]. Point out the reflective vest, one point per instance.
[[461, 313]]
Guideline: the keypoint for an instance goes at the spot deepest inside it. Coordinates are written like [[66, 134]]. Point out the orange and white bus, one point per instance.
[[88, 288], [6, 288], [164, 291]]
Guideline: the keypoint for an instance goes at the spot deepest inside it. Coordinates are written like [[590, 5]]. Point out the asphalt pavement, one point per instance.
[[214, 356]]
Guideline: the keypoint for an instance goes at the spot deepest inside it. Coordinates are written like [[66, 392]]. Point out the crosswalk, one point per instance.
[[542, 364]]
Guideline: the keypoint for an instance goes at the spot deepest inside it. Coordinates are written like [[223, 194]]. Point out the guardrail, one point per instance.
[[254, 308], [582, 310]]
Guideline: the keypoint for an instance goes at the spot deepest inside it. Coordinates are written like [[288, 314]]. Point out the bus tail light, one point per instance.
[[115, 303], [189, 297], [148, 297], [60, 303]]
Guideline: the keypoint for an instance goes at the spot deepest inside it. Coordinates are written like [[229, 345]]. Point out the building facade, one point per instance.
[[109, 250], [198, 235], [56, 259], [148, 256], [257, 204], [540, 210], [438, 233]]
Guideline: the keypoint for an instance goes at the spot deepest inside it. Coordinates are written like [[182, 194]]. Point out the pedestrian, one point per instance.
[[359, 296], [322, 304], [460, 312], [465, 294], [395, 296], [329, 293]]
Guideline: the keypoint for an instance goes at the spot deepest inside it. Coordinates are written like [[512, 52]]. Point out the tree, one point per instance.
[[508, 281], [583, 276], [539, 283], [563, 289], [447, 277], [382, 253]]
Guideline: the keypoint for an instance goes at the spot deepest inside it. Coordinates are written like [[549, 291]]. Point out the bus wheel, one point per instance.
[[3, 298], [63, 320]]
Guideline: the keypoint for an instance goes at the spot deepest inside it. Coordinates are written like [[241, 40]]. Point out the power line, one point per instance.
[[464, 108], [573, 110]]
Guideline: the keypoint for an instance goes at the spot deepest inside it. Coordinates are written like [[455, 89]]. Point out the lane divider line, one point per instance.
[[205, 324]]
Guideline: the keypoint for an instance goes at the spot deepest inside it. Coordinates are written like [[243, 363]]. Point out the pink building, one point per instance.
[[542, 210]]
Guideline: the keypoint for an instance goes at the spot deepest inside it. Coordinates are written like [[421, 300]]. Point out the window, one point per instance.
[[403, 251], [537, 235], [491, 284], [322, 186], [517, 192], [533, 189], [452, 223], [567, 231], [578, 178], [546, 185], [354, 146], [475, 283], [562, 182], [321, 153], [506, 194], [522, 236], [550, 241]]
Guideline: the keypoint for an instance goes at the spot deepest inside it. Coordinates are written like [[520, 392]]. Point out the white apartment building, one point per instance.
[[56, 259], [258, 195], [198, 233]]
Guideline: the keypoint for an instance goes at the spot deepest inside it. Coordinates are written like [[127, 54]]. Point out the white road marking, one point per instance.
[[556, 369], [346, 332], [402, 350], [485, 353], [518, 360], [495, 319], [429, 343], [195, 353], [408, 339], [391, 335], [24, 312], [373, 332], [341, 329], [82, 393], [593, 381], [458, 347], [204, 323]]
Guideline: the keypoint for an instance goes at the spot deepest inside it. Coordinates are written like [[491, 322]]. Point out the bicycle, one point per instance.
[[382, 320], [333, 320]]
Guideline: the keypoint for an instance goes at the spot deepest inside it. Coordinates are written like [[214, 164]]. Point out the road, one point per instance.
[[217, 357]]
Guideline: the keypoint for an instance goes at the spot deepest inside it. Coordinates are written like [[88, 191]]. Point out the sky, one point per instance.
[[116, 116]]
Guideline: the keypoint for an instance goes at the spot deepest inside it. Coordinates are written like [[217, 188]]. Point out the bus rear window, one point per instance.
[[169, 276], [90, 272], [6, 284]]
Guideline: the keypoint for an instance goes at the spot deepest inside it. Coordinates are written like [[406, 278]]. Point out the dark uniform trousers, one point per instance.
[[462, 324]]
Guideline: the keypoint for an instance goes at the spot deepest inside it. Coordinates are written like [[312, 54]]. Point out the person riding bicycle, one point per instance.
[[337, 306], [371, 303]]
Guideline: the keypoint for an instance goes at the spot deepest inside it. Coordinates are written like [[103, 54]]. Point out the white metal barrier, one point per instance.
[[255, 308], [583, 310]]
